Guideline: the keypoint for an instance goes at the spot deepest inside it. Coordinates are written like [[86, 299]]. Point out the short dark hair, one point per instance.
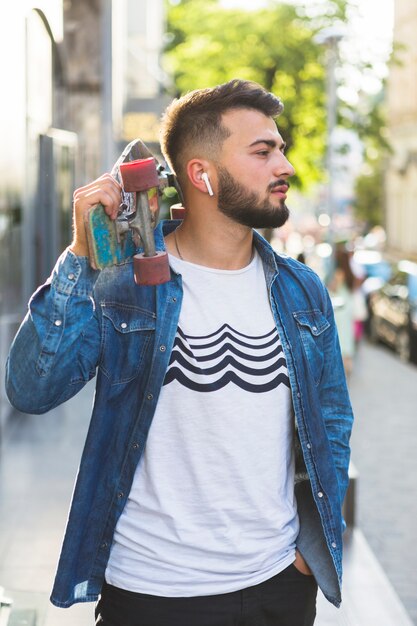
[[192, 126]]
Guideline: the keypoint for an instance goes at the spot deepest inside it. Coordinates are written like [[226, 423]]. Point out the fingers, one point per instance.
[[301, 565], [104, 190]]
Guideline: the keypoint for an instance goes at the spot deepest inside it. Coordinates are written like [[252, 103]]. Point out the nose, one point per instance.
[[282, 166]]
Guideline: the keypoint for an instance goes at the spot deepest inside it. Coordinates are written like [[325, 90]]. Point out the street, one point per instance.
[[384, 444], [38, 463]]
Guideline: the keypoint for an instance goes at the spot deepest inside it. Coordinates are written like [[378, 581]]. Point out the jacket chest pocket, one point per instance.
[[127, 334], [312, 326]]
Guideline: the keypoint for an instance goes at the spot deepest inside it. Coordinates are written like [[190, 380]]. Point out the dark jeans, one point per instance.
[[287, 599]]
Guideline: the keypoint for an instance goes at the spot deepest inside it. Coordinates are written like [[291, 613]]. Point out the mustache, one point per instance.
[[278, 183]]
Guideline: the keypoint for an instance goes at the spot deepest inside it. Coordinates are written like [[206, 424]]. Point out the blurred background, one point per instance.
[[82, 78]]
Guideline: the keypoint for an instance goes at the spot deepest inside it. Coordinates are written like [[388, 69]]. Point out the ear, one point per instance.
[[195, 170]]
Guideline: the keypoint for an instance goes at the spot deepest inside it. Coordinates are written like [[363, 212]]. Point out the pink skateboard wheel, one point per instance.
[[177, 212], [151, 270], [139, 175]]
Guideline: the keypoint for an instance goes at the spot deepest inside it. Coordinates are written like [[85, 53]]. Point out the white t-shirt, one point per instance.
[[212, 506]]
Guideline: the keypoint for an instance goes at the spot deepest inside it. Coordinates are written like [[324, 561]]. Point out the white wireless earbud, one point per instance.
[[205, 177]]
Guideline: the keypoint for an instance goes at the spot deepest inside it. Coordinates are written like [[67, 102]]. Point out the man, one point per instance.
[[210, 488]]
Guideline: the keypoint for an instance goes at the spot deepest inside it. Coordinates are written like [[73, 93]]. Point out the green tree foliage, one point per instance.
[[370, 125], [274, 46], [369, 203]]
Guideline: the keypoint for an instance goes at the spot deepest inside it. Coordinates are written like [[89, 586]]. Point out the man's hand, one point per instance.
[[106, 191], [301, 565]]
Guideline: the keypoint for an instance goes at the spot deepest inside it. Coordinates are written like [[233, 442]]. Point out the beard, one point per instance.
[[247, 207]]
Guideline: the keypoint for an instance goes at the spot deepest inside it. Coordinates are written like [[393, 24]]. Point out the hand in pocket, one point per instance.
[[301, 565]]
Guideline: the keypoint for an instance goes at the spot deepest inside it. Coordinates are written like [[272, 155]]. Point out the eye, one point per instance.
[[263, 152]]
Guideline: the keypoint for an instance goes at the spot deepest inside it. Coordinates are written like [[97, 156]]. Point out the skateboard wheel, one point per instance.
[[177, 212], [151, 270], [139, 175]]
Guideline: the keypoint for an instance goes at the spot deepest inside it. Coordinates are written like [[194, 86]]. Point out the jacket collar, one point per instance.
[[267, 254]]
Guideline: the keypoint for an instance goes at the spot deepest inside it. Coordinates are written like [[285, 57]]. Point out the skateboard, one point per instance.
[[110, 242]]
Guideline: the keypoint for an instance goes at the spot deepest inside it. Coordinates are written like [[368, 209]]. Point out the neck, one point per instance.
[[219, 243]]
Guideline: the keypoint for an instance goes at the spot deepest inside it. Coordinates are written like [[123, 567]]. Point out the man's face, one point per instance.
[[252, 173]]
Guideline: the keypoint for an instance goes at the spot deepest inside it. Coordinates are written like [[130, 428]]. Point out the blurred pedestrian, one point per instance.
[[227, 508], [341, 286], [360, 309]]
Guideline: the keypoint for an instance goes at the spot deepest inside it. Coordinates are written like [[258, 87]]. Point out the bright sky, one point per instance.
[[376, 15], [368, 40], [371, 33], [373, 27]]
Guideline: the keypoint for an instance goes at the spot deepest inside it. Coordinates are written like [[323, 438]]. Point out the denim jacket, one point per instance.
[[82, 322]]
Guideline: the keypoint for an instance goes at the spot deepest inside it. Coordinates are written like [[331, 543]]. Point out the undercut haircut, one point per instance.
[[192, 127]]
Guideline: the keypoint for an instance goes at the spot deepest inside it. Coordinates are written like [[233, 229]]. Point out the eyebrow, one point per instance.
[[269, 142]]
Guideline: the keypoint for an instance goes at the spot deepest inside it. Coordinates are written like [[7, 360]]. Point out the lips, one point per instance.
[[280, 190]]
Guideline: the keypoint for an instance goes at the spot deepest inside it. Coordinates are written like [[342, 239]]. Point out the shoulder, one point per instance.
[[291, 269], [301, 286], [116, 284]]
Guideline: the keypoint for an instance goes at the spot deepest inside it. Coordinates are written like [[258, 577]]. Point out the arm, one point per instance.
[[335, 402], [56, 349]]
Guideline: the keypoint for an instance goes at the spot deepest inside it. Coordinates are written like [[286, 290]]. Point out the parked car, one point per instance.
[[393, 311], [376, 271], [375, 268]]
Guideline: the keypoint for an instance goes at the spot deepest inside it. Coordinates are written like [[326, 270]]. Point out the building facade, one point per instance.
[[37, 159], [84, 79], [401, 171]]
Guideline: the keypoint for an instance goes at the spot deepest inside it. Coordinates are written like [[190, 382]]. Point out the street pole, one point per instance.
[[330, 38], [107, 139], [331, 61]]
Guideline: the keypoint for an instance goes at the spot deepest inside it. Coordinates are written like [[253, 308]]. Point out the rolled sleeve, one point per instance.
[[62, 306], [58, 341]]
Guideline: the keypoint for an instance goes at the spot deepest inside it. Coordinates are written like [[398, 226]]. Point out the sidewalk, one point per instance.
[[368, 597], [38, 464]]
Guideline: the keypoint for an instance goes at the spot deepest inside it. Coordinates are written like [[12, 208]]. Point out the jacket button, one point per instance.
[[320, 494], [104, 545], [334, 544], [120, 494], [309, 446], [162, 348], [135, 445], [149, 396], [123, 325], [314, 328], [58, 322], [71, 276]]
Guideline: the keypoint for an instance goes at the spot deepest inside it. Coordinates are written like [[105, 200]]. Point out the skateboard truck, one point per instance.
[[110, 242], [141, 177]]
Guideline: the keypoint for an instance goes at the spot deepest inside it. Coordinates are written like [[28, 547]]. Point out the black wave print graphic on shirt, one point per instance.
[[210, 362]]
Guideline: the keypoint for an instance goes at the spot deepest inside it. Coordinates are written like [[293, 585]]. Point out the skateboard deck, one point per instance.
[[110, 242]]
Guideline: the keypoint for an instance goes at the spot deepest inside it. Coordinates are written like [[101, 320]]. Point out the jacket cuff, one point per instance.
[[73, 274]]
